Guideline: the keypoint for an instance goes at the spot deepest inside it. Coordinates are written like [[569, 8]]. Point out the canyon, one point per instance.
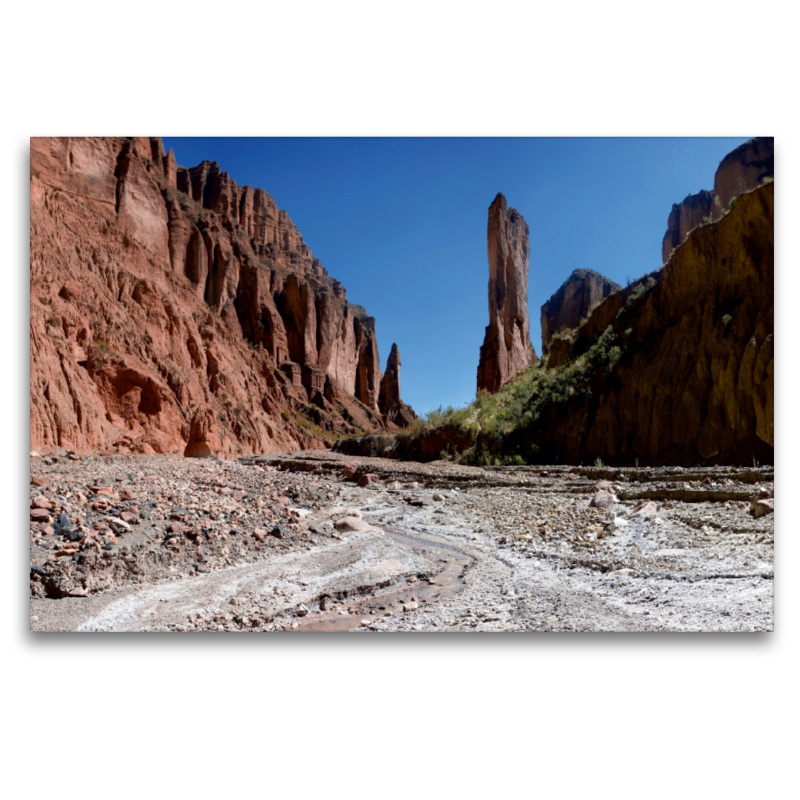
[[622, 482], [677, 368], [172, 311]]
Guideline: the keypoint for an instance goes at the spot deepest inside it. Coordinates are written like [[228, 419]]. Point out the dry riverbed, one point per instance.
[[315, 541]]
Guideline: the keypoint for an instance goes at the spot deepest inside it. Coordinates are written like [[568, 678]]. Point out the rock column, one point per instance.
[[507, 348]]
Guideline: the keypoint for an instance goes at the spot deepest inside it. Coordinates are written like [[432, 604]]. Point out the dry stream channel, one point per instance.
[[421, 547]]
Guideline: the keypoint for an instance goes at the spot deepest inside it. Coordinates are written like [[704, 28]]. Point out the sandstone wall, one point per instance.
[[172, 310]]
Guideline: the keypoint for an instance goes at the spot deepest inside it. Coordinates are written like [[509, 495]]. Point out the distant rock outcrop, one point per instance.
[[574, 301], [392, 407], [693, 211], [174, 311], [507, 348], [742, 170]]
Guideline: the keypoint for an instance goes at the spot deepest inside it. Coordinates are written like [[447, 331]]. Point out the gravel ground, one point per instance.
[[287, 542]]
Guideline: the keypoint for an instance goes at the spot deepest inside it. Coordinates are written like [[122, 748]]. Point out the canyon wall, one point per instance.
[[174, 311], [573, 301], [693, 377], [507, 348], [742, 170]]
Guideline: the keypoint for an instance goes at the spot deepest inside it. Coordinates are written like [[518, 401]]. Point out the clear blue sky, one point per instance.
[[401, 222]]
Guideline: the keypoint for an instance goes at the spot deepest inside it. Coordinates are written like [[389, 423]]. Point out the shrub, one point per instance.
[[598, 462], [54, 321], [726, 319], [44, 301], [285, 415]]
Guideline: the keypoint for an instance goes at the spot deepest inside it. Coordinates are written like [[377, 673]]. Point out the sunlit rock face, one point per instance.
[[507, 348], [174, 311]]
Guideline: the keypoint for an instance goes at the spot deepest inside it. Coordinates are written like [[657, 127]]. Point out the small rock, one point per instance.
[[62, 524], [353, 524], [40, 515], [367, 480], [410, 606], [277, 532], [350, 470], [176, 527], [438, 498], [40, 482], [602, 499], [118, 525], [763, 506], [643, 510], [302, 610], [233, 601]]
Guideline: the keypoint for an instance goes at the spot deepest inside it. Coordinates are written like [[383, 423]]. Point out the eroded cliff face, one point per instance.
[[172, 311], [742, 170], [685, 216], [574, 300], [694, 379], [507, 348]]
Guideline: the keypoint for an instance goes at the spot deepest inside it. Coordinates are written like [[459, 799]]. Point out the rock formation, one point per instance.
[[574, 301], [693, 211], [389, 402], [742, 170], [695, 378], [507, 348], [172, 311]]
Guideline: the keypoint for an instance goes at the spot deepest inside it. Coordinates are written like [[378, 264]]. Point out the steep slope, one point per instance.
[[172, 311]]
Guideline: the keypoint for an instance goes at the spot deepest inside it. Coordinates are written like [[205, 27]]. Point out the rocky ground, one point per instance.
[[315, 541]]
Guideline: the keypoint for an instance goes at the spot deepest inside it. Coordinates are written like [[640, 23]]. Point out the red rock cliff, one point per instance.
[[507, 348], [172, 311]]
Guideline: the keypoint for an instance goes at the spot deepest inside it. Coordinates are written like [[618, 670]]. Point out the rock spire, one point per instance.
[[507, 348]]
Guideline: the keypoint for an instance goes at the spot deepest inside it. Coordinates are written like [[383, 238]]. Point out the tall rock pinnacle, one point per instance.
[[391, 406], [390, 383], [507, 348]]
